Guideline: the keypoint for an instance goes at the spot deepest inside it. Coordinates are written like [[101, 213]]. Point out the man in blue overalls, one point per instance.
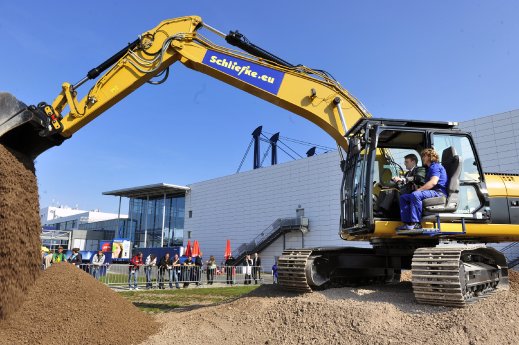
[[435, 185]]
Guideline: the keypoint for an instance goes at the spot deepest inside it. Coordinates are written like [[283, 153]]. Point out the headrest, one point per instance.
[[448, 155], [386, 175]]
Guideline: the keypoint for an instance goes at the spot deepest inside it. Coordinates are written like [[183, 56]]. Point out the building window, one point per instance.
[[190, 214], [147, 220], [189, 235]]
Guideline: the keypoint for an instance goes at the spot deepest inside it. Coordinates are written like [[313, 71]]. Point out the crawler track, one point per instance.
[[292, 270], [455, 277]]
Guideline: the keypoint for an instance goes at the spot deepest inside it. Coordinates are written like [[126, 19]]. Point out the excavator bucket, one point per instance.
[[24, 128]]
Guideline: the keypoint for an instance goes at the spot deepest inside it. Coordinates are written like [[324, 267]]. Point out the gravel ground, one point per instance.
[[372, 315]]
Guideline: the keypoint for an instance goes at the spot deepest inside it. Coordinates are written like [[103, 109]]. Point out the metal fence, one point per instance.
[[124, 275]]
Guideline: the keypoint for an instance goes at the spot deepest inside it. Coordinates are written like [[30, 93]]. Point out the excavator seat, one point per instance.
[[452, 164]]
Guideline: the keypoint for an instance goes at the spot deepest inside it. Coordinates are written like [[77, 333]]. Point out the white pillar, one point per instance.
[[119, 234], [163, 221], [146, 223]]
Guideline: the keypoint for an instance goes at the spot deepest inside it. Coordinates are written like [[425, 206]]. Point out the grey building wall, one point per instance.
[[497, 140], [240, 206]]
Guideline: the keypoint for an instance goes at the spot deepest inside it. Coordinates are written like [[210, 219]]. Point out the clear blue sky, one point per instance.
[[441, 60]]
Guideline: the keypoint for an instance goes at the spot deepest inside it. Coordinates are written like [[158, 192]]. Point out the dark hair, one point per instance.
[[412, 157]]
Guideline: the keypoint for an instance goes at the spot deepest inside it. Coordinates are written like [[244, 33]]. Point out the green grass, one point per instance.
[[120, 279], [156, 301]]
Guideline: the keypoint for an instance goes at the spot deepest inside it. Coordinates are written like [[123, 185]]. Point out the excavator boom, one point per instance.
[[311, 94]]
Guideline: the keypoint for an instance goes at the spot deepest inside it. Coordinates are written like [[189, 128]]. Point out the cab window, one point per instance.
[[464, 149]]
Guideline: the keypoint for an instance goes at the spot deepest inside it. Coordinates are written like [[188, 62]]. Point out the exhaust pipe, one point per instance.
[[25, 129]]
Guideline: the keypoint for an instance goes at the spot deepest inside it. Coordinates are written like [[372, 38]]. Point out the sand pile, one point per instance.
[[19, 229], [68, 306], [371, 315]]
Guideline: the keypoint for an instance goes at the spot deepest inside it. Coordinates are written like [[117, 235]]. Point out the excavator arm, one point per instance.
[[312, 94]]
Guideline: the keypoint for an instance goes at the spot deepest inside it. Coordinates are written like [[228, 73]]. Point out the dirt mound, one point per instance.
[[371, 315], [19, 229], [68, 306]]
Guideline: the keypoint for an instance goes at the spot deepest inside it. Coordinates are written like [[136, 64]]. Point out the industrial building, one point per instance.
[[73, 228]]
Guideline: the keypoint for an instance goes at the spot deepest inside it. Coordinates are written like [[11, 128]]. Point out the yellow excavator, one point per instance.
[[480, 207]]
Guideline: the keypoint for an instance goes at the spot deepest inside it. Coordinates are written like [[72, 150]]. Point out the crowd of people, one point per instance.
[[170, 271], [170, 268], [177, 271], [48, 258]]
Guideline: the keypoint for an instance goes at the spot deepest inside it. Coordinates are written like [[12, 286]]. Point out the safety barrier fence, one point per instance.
[[121, 275]]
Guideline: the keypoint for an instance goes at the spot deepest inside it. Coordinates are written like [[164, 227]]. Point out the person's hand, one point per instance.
[[396, 179]]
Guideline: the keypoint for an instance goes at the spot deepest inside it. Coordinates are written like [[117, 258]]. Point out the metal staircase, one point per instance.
[[279, 227], [511, 251]]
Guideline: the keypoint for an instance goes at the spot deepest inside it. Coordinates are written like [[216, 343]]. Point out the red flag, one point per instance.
[[196, 248], [228, 250], [188, 249]]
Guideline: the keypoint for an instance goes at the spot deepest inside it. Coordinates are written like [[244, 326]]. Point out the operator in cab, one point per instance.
[[388, 201], [435, 186], [414, 178]]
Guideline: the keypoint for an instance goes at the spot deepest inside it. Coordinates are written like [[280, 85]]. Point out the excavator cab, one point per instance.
[[376, 154]]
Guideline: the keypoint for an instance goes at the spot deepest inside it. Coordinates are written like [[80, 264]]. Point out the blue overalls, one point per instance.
[[411, 204]]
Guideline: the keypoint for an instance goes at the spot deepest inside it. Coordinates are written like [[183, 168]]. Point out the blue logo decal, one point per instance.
[[260, 76]]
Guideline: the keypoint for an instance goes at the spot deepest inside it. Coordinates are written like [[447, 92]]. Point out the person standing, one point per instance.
[[248, 270], [229, 269], [199, 264], [435, 186], [76, 258], [165, 267], [211, 269], [133, 270], [97, 262], [176, 270], [275, 272], [189, 265], [256, 268], [59, 256], [151, 261], [46, 258]]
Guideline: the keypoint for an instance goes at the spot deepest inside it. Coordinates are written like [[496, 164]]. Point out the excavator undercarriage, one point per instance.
[[443, 275]]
